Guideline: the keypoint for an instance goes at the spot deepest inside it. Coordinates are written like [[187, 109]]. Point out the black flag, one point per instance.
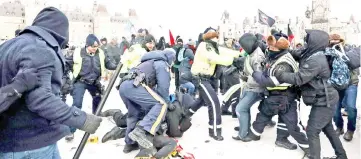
[[265, 19]]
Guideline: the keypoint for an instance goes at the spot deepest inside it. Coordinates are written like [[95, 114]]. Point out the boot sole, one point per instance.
[[283, 146], [141, 140]]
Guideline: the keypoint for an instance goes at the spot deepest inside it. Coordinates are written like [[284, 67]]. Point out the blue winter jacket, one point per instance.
[[163, 60], [40, 118]]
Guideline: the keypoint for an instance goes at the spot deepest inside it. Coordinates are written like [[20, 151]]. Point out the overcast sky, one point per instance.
[[189, 17], [193, 16]]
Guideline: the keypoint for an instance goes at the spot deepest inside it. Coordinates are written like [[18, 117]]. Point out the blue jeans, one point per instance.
[[189, 86], [48, 152], [78, 95], [348, 99], [243, 108]]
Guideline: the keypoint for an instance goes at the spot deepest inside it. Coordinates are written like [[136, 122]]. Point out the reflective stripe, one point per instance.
[[162, 111], [255, 132], [286, 58], [231, 91], [285, 129], [213, 107], [281, 124], [212, 127], [304, 145]]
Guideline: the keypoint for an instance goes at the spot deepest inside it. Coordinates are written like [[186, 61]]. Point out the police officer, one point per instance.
[[207, 57], [280, 98], [312, 76], [89, 64], [146, 106], [132, 56]]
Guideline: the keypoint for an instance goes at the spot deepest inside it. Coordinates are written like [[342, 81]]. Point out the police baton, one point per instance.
[[99, 110]]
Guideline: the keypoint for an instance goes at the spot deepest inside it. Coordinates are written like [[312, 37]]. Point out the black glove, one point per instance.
[[100, 87], [26, 80], [91, 124], [239, 63], [244, 77], [171, 106]]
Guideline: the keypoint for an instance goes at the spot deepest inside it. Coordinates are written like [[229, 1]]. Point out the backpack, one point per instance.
[[340, 73]]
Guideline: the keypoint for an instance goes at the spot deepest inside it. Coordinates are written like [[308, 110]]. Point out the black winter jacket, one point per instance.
[[314, 71]]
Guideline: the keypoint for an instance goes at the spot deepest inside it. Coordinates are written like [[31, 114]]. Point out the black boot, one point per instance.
[[227, 112], [130, 147], [109, 112], [146, 153], [285, 143], [339, 131], [114, 134], [307, 152], [348, 135], [218, 137], [144, 139], [250, 137], [271, 124], [236, 128]]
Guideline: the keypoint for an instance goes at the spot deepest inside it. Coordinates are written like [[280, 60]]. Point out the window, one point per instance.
[[91, 21], [23, 21]]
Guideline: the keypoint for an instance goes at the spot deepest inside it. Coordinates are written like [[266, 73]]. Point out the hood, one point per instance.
[[317, 40], [248, 42], [167, 55], [55, 22], [259, 36]]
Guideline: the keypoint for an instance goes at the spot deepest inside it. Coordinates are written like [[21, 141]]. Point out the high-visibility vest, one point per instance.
[[78, 60], [286, 58]]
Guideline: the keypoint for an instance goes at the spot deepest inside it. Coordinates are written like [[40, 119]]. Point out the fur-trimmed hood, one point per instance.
[[281, 43]]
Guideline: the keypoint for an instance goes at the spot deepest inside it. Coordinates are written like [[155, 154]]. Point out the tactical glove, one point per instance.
[[91, 124], [26, 80], [239, 63]]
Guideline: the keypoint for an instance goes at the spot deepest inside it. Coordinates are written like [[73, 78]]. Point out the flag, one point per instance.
[[265, 19], [290, 34], [171, 38]]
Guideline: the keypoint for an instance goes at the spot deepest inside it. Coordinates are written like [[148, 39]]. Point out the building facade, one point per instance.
[[17, 14]]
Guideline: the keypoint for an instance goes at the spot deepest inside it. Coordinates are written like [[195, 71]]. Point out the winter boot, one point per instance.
[[285, 143], [130, 147], [146, 153], [236, 128], [250, 137], [339, 131], [348, 135], [69, 137], [109, 112], [114, 134], [218, 137], [307, 153], [144, 139], [227, 112], [271, 124]]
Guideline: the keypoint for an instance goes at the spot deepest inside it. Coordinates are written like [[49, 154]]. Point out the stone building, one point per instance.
[[17, 14]]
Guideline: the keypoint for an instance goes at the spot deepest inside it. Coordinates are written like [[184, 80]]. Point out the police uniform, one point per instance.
[[280, 98], [88, 68], [206, 59], [146, 108]]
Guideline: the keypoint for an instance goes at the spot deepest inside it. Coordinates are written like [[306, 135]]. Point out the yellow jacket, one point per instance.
[[206, 59], [131, 57]]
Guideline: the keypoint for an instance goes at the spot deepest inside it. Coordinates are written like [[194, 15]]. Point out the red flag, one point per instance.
[[290, 34], [171, 39]]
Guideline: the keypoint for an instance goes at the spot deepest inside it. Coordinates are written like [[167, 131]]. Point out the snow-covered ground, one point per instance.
[[194, 140]]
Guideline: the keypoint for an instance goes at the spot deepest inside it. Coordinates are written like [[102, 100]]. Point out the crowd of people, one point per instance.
[[39, 69]]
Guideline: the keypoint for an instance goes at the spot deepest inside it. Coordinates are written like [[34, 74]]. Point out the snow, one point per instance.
[[196, 139]]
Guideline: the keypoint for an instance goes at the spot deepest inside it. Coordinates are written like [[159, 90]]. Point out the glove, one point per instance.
[[91, 124], [26, 80], [171, 106], [239, 63], [244, 77]]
